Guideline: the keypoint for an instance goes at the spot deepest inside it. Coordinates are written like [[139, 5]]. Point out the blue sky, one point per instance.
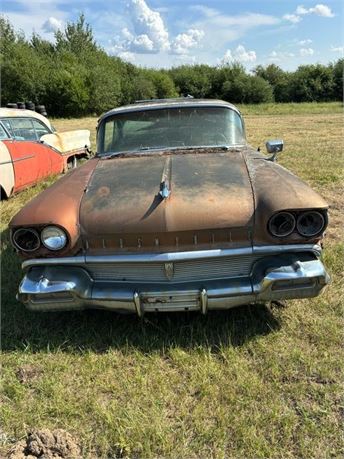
[[165, 33]]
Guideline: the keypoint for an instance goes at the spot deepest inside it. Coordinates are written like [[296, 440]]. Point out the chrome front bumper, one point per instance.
[[66, 284]]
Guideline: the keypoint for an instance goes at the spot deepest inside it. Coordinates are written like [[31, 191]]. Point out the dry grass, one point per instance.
[[251, 382]]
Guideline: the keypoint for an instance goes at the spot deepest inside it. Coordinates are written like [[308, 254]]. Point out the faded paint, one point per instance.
[[6, 170], [19, 113], [34, 160], [69, 141], [208, 193], [217, 199], [275, 189], [58, 205]]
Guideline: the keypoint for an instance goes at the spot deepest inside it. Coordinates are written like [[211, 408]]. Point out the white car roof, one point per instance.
[[18, 112]]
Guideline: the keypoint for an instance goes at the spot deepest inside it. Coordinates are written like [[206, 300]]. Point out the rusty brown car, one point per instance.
[[176, 212]]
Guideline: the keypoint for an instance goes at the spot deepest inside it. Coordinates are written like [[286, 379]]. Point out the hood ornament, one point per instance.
[[165, 188]]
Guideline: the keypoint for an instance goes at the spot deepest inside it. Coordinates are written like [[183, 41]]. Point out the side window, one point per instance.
[[23, 129], [40, 128], [3, 133], [7, 124]]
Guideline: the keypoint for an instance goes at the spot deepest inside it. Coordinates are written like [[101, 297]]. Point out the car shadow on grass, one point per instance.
[[99, 330]]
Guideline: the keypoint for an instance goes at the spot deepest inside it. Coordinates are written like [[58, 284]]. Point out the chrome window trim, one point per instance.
[[195, 103], [173, 256], [191, 103], [5, 130]]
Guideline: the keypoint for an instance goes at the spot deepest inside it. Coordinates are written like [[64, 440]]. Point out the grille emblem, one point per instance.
[[169, 270]]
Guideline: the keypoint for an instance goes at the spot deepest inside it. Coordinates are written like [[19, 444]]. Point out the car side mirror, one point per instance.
[[274, 147]]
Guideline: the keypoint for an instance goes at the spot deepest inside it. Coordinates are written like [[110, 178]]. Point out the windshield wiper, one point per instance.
[[123, 153], [179, 147], [161, 147]]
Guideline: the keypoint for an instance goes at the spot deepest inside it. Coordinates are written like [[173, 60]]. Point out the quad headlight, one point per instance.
[[310, 223], [307, 224], [26, 239], [282, 224], [53, 238]]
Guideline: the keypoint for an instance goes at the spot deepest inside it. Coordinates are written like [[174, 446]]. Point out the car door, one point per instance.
[[56, 161], [32, 159], [22, 147], [6, 165]]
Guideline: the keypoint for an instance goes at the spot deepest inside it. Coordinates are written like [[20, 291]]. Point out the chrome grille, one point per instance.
[[191, 270]]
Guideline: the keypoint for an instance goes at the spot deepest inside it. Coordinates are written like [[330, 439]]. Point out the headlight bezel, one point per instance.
[[280, 214], [26, 229], [303, 215], [298, 215]]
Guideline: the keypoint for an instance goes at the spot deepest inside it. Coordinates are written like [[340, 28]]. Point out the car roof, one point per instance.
[[152, 104], [20, 113]]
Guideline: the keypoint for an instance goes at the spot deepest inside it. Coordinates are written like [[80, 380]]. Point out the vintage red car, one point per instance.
[[30, 149], [176, 212]]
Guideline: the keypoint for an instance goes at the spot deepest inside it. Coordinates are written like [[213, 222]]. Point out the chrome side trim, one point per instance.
[[276, 249], [173, 256], [75, 261], [17, 159]]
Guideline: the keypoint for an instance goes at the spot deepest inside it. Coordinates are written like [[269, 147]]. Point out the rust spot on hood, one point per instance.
[[210, 191]]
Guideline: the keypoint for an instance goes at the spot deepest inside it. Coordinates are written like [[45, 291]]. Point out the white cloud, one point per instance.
[[127, 56], [149, 32], [221, 29], [279, 56], [149, 35], [319, 10], [306, 52], [307, 41], [245, 20], [292, 18], [30, 16], [185, 41], [52, 25], [204, 10], [238, 55], [337, 49], [301, 10]]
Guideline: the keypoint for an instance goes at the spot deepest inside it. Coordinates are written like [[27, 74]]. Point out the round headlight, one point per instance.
[[26, 239], [310, 223], [53, 238], [282, 224]]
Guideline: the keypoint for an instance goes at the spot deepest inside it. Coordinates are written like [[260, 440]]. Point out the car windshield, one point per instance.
[[170, 128]]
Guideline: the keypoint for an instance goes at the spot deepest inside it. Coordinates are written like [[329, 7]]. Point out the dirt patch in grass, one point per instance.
[[46, 444], [27, 373]]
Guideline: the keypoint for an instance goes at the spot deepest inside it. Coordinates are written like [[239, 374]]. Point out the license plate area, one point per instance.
[[170, 301]]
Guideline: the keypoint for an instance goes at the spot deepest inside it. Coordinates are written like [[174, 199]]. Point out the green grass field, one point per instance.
[[252, 382]]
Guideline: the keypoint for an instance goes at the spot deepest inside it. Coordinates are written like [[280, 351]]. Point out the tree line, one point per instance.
[[74, 76]]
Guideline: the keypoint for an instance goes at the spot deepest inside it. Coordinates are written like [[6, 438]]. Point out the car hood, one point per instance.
[[208, 190]]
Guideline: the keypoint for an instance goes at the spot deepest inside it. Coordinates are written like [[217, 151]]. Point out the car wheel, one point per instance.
[[73, 163]]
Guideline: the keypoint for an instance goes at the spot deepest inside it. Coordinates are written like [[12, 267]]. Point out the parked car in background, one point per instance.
[[31, 150], [176, 212]]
